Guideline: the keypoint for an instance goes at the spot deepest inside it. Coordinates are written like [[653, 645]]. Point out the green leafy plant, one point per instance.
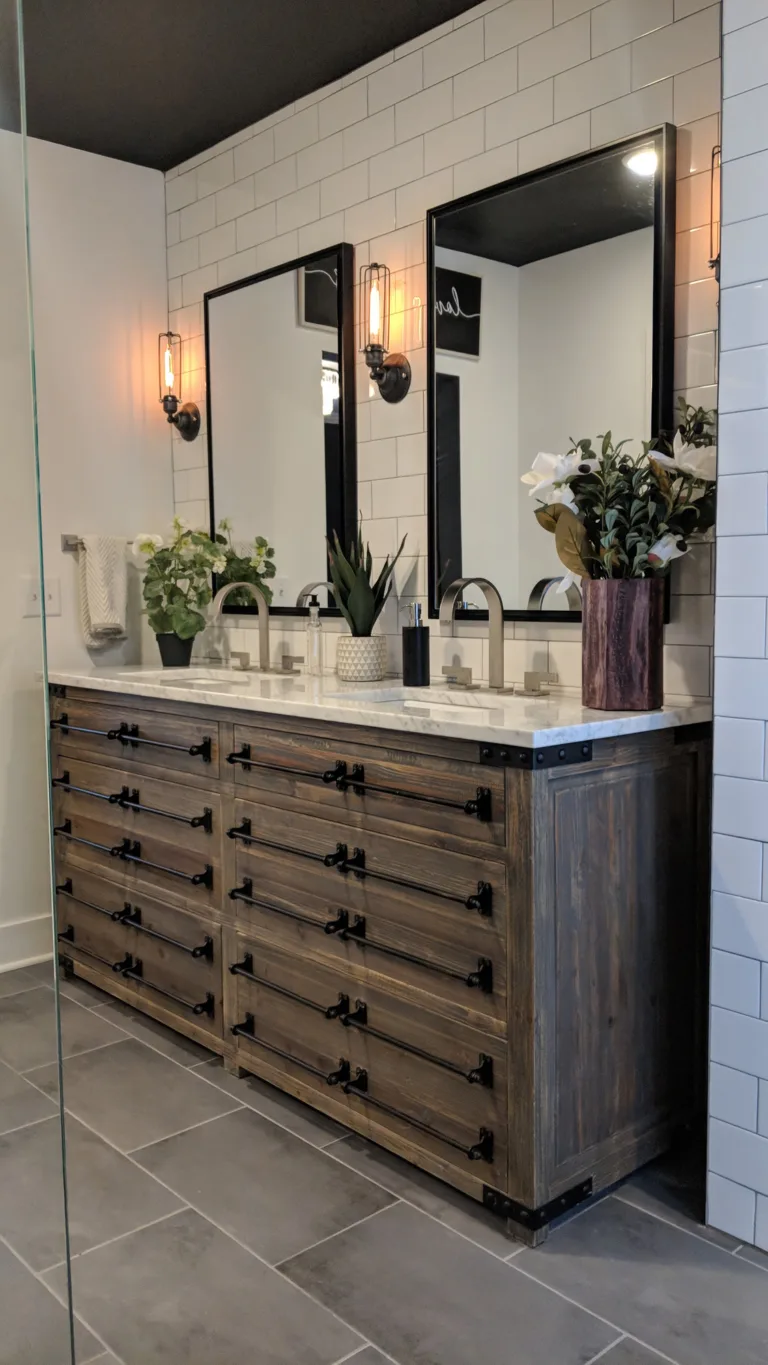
[[245, 564], [617, 515], [359, 600], [177, 579]]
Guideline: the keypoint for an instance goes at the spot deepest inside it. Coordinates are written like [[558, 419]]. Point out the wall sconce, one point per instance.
[[714, 212], [392, 373], [186, 418]]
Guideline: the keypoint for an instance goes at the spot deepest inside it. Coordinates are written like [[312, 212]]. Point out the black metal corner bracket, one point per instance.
[[551, 756], [535, 1219]]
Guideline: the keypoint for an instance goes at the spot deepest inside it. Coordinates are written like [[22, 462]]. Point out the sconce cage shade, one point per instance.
[[169, 364], [374, 307]]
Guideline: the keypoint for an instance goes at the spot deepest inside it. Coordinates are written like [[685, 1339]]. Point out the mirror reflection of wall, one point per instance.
[[280, 448], [545, 312]]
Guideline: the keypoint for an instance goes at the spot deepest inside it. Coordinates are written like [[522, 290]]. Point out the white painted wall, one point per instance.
[[97, 246], [586, 356], [488, 402], [737, 1191], [25, 887], [100, 299], [501, 89], [267, 414]]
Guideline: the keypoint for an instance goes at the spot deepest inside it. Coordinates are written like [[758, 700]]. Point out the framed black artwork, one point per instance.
[[318, 287], [457, 312]]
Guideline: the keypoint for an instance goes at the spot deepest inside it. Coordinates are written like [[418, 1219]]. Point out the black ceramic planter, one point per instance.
[[174, 652]]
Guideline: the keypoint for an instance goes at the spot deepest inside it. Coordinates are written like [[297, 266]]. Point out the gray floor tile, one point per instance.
[[182, 1292], [22, 979], [131, 1095], [20, 1102], [673, 1187], [451, 1207], [28, 1029], [687, 1299], [171, 1044], [755, 1256], [265, 1186], [274, 1104], [34, 1326], [426, 1296], [369, 1356], [82, 992], [108, 1195]]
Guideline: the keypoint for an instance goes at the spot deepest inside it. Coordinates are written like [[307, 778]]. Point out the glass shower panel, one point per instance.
[[35, 1308]]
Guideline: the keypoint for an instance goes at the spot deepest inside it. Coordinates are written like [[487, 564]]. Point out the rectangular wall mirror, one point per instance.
[[281, 415], [551, 318]]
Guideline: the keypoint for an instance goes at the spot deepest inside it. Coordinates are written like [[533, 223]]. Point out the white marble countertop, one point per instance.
[[482, 715]]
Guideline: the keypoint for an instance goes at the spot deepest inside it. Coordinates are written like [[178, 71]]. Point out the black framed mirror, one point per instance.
[[550, 317], [280, 361]]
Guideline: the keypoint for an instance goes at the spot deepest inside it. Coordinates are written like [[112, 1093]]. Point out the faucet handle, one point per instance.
[[532, 682], [456, 676], [288, 660]]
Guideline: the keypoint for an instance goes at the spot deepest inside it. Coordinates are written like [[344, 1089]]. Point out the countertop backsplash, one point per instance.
[[477, 100]]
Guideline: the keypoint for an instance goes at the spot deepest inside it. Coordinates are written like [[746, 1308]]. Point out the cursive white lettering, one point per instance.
[[452, 308]]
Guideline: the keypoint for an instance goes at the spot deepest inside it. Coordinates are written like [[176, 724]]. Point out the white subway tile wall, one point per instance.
[[503, 89], [738, 1148]]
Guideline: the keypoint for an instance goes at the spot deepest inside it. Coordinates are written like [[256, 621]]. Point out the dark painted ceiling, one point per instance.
[[557, 211], [156, 81]]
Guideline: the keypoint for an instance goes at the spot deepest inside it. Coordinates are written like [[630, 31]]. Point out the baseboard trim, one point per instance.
[[25, 942]]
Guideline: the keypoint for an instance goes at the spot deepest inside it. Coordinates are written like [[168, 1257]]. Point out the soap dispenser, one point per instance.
[[314, 646], [415, 649]]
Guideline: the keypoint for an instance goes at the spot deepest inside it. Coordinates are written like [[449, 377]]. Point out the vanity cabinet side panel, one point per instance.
[[523, 905], [621, 889]]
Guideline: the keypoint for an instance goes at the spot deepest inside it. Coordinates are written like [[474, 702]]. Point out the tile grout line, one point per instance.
[[321, 1240], [65, 1305], [33, 1123], [661, 1354], [70, 1057], [98, 1246], [602, 1354], [191, 1127], [622, 1199]]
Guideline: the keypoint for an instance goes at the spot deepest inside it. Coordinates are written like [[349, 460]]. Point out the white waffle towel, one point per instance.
[[103, 576]]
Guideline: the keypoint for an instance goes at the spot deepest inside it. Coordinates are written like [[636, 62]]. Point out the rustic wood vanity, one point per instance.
[[485, 955]]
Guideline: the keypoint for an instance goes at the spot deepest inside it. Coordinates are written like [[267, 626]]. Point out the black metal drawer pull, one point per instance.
[[135, 972], [245, 968], [129, 851], [479, 805], [67, 786], [66, 889], [482, 1074], [245, 893], [68, 936], [481, 900], [356, 933], [129, 800], [129, 734], [132, 919], [482, 1150], [248, 1030], [335, 774]]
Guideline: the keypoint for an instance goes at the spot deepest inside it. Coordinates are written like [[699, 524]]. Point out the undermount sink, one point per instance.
[[479, 699], [218, 679]]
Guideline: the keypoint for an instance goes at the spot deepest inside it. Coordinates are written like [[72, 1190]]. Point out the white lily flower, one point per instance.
[[667, 548], [700, 461], [559, 493], [567, 581]]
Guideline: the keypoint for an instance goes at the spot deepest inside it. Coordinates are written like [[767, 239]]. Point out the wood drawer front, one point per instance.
[[416, 790], [147, 864], [429, 878], [417, 1066], [180, 816], [166, 956], [387, 945], [124, 736]]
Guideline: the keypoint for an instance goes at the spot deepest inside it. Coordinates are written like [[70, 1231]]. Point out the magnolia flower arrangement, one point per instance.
[[617, 515]]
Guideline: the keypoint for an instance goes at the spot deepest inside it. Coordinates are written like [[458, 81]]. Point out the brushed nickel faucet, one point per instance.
[[492, 596], [262, 607], [309, 588]]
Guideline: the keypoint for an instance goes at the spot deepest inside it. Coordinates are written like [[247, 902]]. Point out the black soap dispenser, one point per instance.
[[415, 649]]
